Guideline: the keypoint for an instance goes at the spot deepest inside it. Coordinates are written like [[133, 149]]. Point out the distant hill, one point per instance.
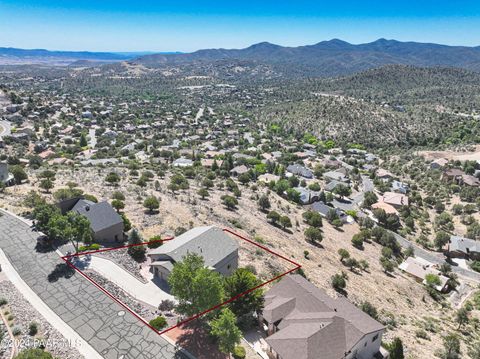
[[10, 55], [334, 57]]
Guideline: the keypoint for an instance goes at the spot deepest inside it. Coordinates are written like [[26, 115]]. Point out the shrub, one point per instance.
[[158, 323], [166, 305], [32, 329], [154, 242], [3, 301], [16, 331], [239, 352]]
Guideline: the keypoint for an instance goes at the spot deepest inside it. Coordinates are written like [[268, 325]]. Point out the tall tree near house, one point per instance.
[[240, 282], [196, 287], [83, 140], [19, 174], [136, 251], [226, 331], [118, 204], [395, 349]]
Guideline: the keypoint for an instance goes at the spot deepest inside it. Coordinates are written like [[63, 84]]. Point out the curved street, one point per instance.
[[105, 325]]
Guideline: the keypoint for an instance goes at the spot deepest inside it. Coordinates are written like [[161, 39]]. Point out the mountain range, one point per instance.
[[326, 58], [334, 57]]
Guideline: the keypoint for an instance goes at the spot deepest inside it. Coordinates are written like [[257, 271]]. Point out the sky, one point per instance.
[[184, 25]]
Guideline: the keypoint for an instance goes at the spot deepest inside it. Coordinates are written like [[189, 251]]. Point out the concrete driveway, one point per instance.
[[148, 293]]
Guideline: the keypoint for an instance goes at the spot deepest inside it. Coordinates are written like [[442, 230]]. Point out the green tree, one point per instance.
[[112, 178], [224, 328], [151, 203], [273, 216], [339, 282], [196, 287], [395, 349], [229, 201], [136, 251], [313, 218], [19, 174], [344, 254], [368, 308], [46, 184], [264, 202], [451, 347], [241, 281], [342, 190], [387, 265], [313, 235], [118, 204], [203, 193], [462, 317], [441, 239], [369, 199], [83, 140], [285, 222]]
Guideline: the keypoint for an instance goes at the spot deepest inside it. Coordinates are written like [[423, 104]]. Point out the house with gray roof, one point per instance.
[[460, 247], [106, 224], [299, 170], [219, 251], [307, 196], [303, 322]]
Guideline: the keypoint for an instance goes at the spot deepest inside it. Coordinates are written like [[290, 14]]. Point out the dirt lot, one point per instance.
[[473, 155]]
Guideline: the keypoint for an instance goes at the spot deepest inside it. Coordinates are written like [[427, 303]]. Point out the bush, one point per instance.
[[158, 323], [91, 247], [34, 354], [32, 329], [154, 242], [239, 352], [3, 301], [166, 305], [16, 331]]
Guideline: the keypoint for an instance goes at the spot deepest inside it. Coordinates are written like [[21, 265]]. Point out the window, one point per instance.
[[229, 266], [375, 338]]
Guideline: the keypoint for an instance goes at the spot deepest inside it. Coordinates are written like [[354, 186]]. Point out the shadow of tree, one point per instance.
[[62, 270]]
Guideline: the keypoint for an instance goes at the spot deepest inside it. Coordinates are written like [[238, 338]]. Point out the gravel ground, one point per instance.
[[145, 311], [24, 314]]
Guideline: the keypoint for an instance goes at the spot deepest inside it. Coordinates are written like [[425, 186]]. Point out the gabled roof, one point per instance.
[[100, 215], [464, 245], [211, 242], [312, 324]]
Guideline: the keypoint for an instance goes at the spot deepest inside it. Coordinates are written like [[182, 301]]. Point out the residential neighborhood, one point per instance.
[[316, 201]]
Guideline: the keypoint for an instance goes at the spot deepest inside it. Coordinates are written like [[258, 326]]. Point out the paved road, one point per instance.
[[437, 258], [69, 334], [103, 323], [5, 128]]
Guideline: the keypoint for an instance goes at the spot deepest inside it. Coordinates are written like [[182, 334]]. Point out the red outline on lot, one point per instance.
[[70, 264]]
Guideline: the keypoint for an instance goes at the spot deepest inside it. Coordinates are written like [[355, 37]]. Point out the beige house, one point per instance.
[[302, 322], [419, 268]]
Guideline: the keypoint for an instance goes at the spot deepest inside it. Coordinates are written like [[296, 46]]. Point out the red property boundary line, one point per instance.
[[67, 258]]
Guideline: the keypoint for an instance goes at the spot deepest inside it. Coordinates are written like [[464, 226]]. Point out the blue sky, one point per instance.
[[184, 25]]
